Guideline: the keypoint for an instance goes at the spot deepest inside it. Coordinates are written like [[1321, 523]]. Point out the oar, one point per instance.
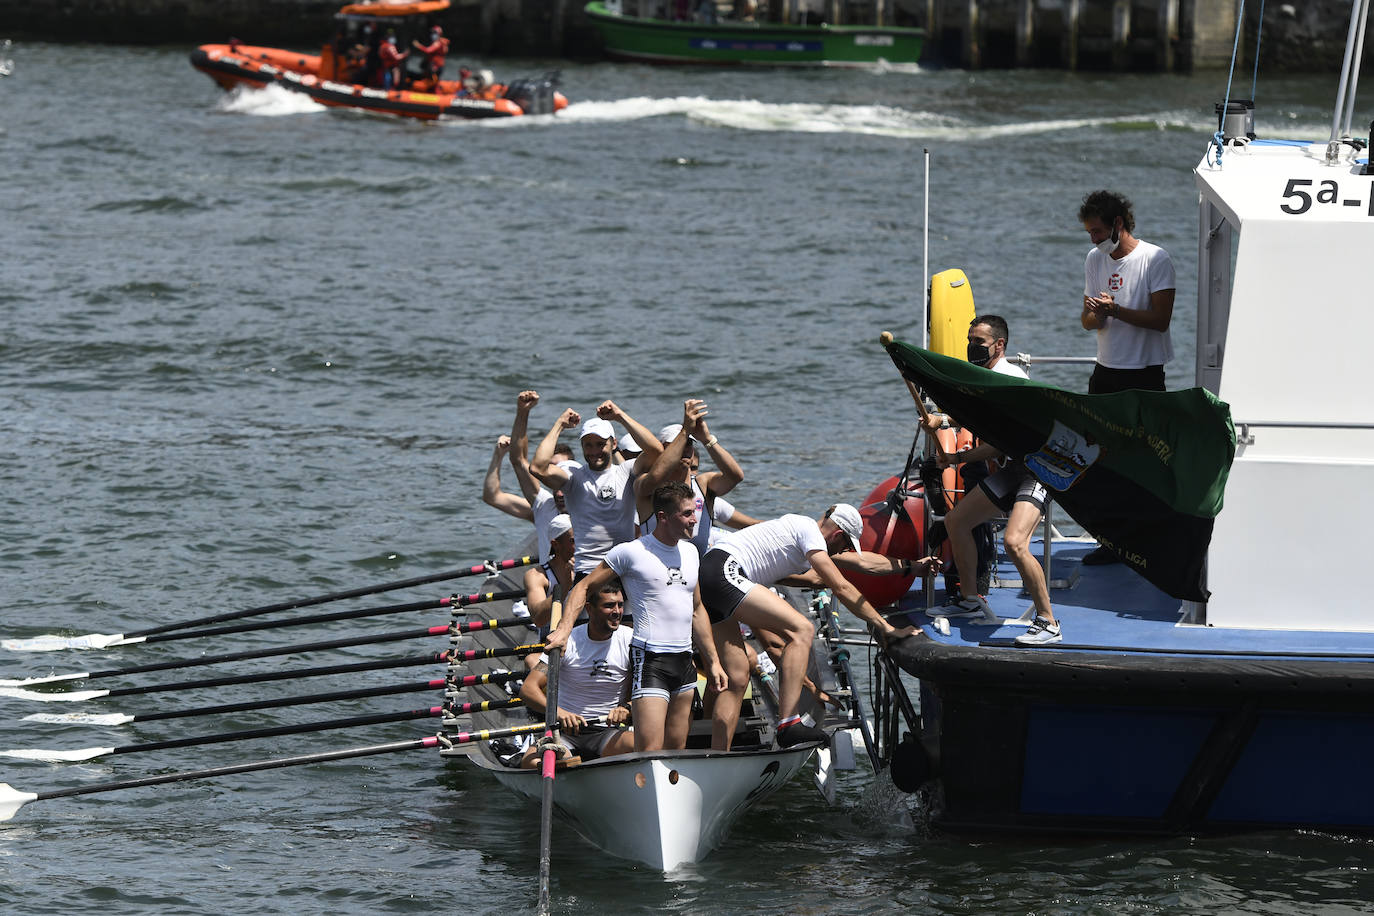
[[404, 661], [468, 655], [51, 642], [90, 753], [455, 601], [236, 656], [550, 747], [116, 718], [11, 799], [496, 677]]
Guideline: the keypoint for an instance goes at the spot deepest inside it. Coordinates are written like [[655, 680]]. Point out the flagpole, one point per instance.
[[925, 257]]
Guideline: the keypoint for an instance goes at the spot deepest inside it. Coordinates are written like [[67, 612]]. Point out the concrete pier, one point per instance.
[[1120, 35]]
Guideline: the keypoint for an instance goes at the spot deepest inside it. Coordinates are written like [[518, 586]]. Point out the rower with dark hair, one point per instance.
[[659, 571], [593, 681]]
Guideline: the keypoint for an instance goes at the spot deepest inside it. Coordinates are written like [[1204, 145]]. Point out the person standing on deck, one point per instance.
[[659, 572], [434, 53], [1128, 299], [599, 494], [1011, 490], [391, 62], [736, 576]]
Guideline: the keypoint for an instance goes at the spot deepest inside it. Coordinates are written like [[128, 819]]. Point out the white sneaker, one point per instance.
[[1040, 633], [967, 607]]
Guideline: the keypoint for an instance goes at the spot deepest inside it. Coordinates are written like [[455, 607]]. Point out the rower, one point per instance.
[[736, 576], [659, 571], [593, 681]]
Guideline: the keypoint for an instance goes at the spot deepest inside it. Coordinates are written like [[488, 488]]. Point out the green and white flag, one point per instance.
[[1143, 471]]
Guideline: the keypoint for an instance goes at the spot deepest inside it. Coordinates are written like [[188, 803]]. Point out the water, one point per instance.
[[256, 350]]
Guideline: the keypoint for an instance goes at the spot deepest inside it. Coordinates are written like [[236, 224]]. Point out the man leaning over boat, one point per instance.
[[593, 681]]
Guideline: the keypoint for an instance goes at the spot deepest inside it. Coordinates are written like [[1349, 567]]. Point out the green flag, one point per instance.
[[1142, 471]]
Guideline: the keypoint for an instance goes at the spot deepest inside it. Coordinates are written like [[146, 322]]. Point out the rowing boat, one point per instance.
[[665, 809]]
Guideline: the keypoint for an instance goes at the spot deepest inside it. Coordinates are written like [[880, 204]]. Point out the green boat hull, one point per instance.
[[763, 44]]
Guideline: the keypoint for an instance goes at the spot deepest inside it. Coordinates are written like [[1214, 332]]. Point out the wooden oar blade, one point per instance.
[[51, 679], [74, 696], [79, 718], [11, 800], [51, 642], [53, 756]]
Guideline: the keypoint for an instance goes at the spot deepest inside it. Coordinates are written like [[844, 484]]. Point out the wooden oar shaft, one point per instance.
[[306, 700], [496, 677], [476, 570], [303, 621], [323, 757], [406, 661], [262, 653], [428, 712], [468, 655]]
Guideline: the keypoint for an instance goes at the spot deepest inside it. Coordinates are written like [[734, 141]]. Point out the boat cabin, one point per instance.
[[1284, 228], [351, 56]]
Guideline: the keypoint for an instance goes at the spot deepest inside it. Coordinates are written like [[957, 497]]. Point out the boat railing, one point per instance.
[[1245, 437]]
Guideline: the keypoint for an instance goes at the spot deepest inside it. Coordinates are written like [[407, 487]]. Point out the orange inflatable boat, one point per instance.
[[343, 73]]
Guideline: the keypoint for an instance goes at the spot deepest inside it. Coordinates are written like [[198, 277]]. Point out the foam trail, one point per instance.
[[270, 101]]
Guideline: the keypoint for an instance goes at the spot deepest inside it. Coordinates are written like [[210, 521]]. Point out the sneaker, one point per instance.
[[1102, 556], [1040, 633], [966, 607], [797, 733]]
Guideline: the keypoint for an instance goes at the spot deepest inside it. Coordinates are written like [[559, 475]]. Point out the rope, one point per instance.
[[1219, 138]]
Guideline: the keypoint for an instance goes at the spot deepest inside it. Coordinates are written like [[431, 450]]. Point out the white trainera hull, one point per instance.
[[663, 809]]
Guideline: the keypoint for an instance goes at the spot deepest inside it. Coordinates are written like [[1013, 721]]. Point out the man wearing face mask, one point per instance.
[[1128, 298], [987, 345], [1012, 491]]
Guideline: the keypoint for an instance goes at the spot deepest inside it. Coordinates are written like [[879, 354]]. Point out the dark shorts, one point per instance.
[[1105, 380], [590, 742], [660, 674], [1013, 484], [723, 584]]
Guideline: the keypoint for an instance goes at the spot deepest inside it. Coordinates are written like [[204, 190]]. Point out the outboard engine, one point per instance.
[[535, 95]]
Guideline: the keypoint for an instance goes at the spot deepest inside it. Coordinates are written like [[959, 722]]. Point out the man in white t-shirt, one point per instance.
[[736, 579], [659, 573], [599, 495], [593, 681], [1128, 298]]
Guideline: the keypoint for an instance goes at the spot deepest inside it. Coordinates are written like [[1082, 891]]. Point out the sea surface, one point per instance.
[[255, 350]]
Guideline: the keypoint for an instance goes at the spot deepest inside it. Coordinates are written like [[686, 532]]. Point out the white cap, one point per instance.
[[669, 433], [569, 464], [558, 526], [596, 426], [847, 519], [628, 445]]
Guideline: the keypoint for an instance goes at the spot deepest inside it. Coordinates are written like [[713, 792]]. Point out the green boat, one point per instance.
[[737, 41]]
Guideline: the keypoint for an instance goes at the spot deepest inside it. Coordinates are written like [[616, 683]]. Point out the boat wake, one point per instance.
[[877, 120], [270, 101]]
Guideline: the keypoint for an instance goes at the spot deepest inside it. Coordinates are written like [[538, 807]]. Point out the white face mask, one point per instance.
[[1109, 244]]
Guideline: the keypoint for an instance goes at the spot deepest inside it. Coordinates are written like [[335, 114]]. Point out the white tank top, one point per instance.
[[591, 677]]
